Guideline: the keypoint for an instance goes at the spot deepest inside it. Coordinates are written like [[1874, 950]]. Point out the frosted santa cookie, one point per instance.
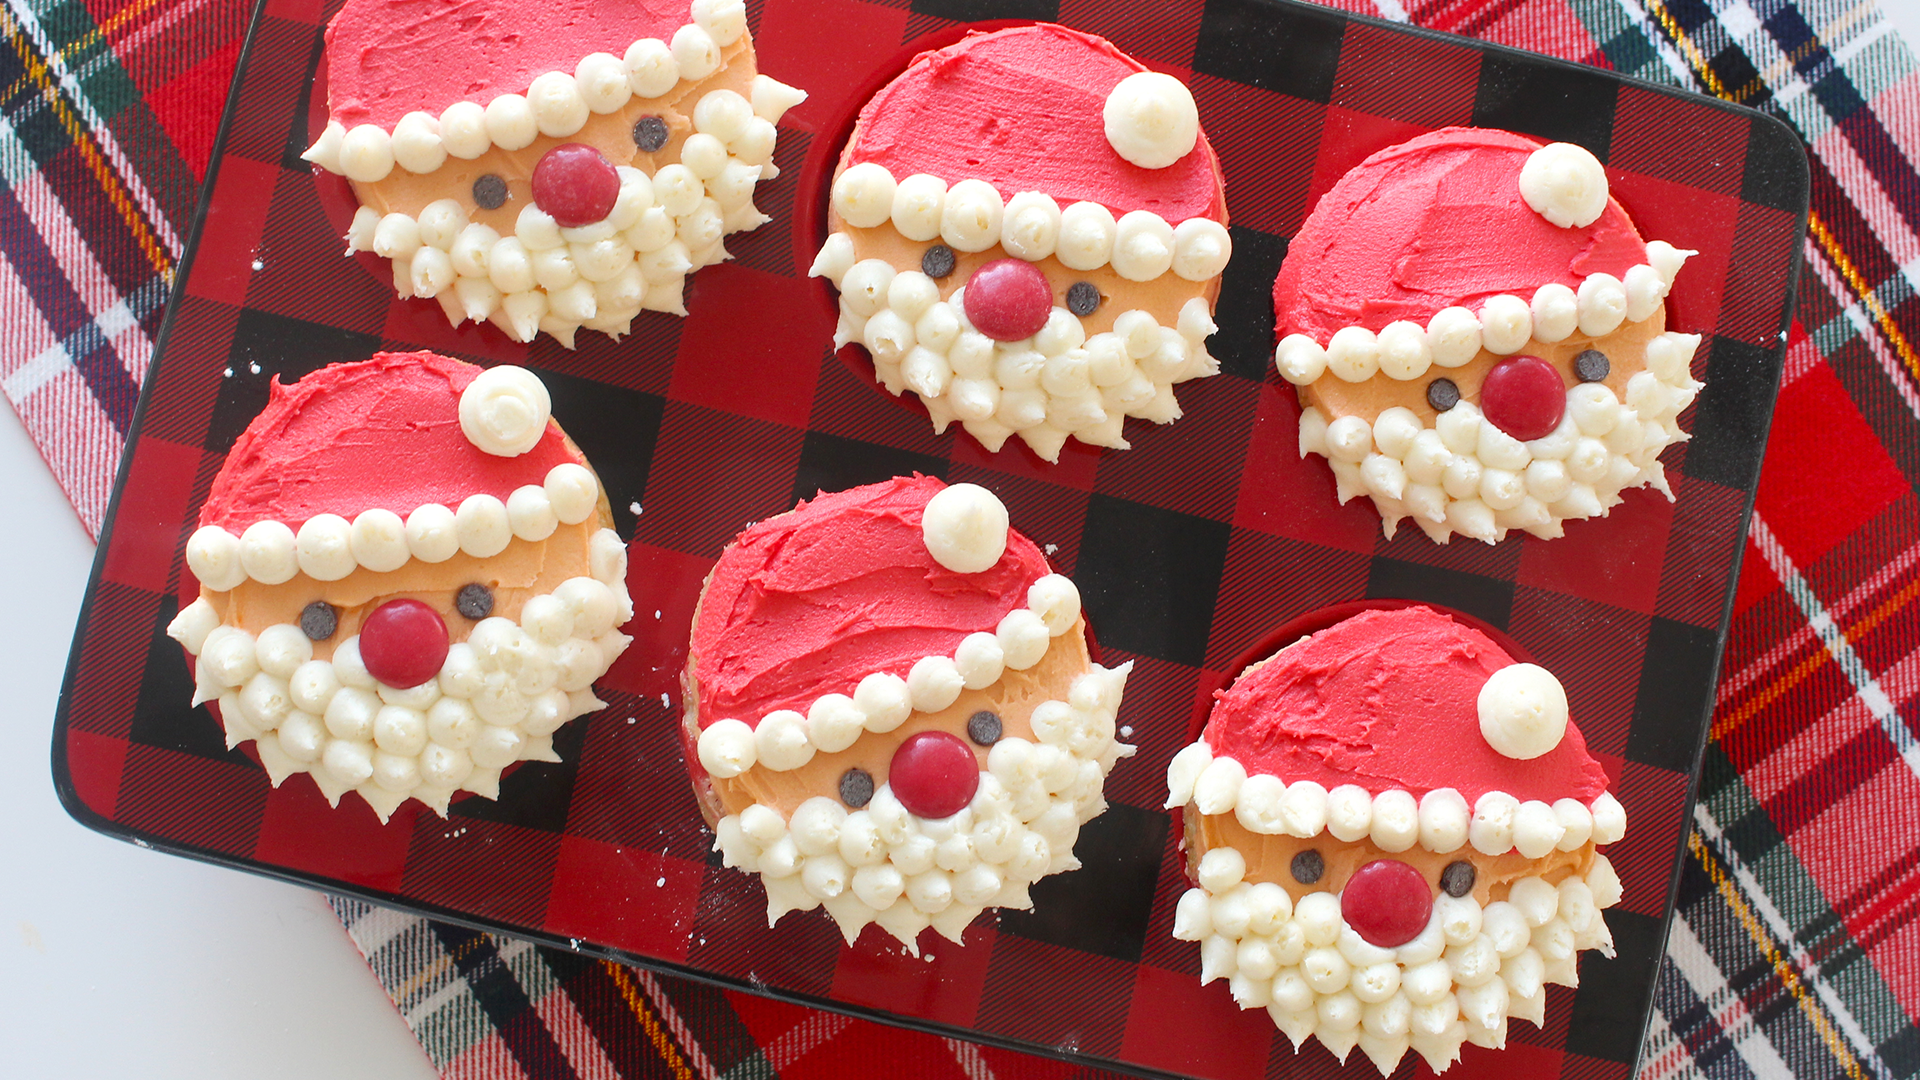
[[1027, 231], [1393, 828], [548, 166], [890, 710], [407, 581], [1478, 334]]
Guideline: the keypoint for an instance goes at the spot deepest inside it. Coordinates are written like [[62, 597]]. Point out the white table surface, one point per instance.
[[121, 963]]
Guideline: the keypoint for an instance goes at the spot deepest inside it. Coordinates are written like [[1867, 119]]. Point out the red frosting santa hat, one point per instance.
[[410, 684], [372, 464], [1046, 141], [855, 624]]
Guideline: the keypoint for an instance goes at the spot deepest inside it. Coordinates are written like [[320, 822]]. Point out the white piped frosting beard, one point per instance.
[[1058, 383], [497, 699], [1472, 968], [886, 865], [1464, 475]]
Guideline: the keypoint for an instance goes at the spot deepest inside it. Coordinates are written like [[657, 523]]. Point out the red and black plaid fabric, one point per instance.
[[1188, 548]]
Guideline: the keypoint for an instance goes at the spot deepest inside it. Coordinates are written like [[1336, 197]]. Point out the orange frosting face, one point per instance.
[[1273, 858], [1625, 350], [524, 570]]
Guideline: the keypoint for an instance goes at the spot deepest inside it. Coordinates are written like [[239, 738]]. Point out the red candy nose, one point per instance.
[[403, 643], [1387, 902], [1524, 397], [934, 774], [1008, 299], [575, 185]]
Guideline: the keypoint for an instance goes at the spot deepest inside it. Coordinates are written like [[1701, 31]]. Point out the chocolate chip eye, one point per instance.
[[938, 262], [983, 727], [1591, 366], [475, 601], [856, 787], [1442, 394], [490, 192], [1457, 878], [318, 620], [650, 133], [1308, 866], [1083, 299]]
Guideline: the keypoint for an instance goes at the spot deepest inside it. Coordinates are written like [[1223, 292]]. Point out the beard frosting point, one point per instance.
[[550, 167], [890, 709], [355, 628], [1027, 230], [1477, 332], [1369, 868]]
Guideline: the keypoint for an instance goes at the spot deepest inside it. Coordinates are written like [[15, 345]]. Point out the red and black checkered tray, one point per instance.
[[1190, 547]]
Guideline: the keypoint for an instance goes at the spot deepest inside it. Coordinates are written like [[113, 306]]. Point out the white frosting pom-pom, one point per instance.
[[504, 410], [1565, 184], [965, 528], [1523, 711], [1151, 119]]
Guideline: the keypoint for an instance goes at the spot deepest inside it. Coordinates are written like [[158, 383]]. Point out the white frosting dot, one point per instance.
[[432, 534], [965, 528], [1565, 184], [463, 130], [1202, 247], [1151, 120], [1031, 228], [504, 411], [380, 540], [1523, 711], [366, 154], [651, 68]]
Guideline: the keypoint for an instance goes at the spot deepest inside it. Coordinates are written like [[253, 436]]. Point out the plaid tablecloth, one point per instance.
[[1796, 949]]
